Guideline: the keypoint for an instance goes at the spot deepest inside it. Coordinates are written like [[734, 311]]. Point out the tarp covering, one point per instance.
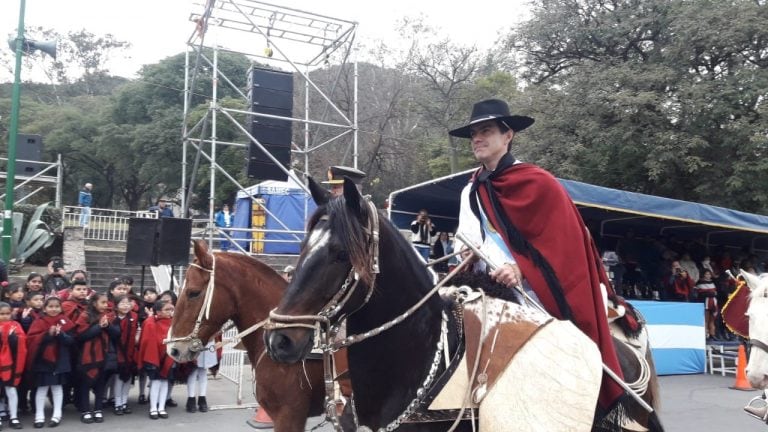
[[677, 336], [285, 202], [611, 211]]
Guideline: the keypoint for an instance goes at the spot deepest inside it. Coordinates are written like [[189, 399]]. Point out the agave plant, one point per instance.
[[36, 235]]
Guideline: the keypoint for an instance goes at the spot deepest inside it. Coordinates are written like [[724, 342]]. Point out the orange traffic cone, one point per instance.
[[741, 376], [260, 420]]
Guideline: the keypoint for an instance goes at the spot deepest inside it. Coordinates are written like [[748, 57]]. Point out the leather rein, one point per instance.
[[326, 333], [196, 345]]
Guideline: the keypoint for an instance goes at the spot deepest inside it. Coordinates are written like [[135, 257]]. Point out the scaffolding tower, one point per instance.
[[297, 40]]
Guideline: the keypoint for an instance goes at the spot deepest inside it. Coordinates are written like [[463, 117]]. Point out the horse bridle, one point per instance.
[[195, 344], [342, 296]]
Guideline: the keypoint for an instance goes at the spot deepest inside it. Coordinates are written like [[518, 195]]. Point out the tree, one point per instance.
[[663, 97]]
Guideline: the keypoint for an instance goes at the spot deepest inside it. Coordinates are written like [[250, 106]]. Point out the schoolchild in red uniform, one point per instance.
[[76, 302], [49, 344], [98, 356], [128, 321], [153, 358], [13, 356]]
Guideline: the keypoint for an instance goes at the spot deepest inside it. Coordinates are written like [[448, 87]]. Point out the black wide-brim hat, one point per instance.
[[492, 109]]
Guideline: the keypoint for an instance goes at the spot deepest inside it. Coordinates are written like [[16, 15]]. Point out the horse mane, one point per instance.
[[761, 290]]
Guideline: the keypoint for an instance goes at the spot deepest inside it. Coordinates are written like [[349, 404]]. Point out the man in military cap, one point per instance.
[[336, 176]]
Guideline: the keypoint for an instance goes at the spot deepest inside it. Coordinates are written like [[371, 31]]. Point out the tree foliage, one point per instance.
[[663, 97]]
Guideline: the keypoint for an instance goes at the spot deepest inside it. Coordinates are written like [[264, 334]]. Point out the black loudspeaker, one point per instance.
[[141, 241], [30, 148], [270, 92], [163, 241], [174, 241]]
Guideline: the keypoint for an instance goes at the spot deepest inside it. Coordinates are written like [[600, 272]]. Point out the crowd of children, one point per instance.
[[64, 342]]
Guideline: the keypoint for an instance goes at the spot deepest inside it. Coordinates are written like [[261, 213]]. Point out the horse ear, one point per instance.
[[319, 195], [752, 281], [201, 253], [352, 196]]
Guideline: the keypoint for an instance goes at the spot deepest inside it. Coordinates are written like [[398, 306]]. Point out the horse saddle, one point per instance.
[[494, 331]]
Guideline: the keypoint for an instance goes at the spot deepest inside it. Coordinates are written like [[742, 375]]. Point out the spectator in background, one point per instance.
[[690, 266], [288, 272], [422, 232], [56, 280], [679, 283], [162, 209], [223, 219], [84, 200], [706, 292], [442, 247]]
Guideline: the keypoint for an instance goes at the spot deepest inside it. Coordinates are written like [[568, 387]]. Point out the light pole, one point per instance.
[[10, 179]]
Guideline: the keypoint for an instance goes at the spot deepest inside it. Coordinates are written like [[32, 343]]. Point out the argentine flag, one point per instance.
[[677, 335]]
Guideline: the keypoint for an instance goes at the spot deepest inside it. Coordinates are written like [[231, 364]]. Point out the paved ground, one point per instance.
[[698, 403]]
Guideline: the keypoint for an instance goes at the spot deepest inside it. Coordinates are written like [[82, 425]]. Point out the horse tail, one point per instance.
[[654, 423]]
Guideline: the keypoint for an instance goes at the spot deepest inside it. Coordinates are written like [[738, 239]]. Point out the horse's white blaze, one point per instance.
[[757, 366], [318, 238]]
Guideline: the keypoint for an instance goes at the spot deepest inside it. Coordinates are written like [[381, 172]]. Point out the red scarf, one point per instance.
[[126, 347], [540, 209], [93, 352], [36, 347], [152, 350], [13, 353], [73, 309]]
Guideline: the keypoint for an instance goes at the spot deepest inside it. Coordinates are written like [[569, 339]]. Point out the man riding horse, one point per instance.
[[520, 216]]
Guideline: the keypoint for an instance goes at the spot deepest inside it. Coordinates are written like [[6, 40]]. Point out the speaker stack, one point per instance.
[[28, 148], [270, 92], [163, 241]]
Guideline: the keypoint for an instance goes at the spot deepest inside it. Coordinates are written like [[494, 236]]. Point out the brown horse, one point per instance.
[[244, 290]]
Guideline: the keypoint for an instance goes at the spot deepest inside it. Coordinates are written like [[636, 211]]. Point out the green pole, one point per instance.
[[10, 180]]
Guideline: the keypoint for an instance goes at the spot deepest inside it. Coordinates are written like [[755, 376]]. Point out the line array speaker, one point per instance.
[[28, 147], [270, 92]]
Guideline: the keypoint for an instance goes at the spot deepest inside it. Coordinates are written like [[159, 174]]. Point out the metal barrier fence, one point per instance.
[[231, 367], [103, 224]]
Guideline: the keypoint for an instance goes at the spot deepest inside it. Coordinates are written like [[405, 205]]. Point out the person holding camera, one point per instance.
[[680, 283], [422, 232], [56, 280]]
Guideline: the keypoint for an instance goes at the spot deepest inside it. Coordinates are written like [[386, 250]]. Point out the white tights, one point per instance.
[[13, 401], [198, 380], [120, 391], [58, 396], [158, 393]]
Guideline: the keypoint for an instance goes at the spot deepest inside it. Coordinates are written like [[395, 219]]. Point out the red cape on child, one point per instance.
[[152, 349], [37, 331], [13, 353]]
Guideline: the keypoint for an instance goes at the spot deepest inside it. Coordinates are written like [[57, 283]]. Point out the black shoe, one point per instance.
[[127, 409], [191, 405], [153, 415], [39, 425], [16, 424], [118, 411], [98, 417], [171, 403], [86, 417], [54, 422], [202, 404], [163, 414], [142, 400]]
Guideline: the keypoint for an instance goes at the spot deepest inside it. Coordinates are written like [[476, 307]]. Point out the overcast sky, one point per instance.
[[160, 28]]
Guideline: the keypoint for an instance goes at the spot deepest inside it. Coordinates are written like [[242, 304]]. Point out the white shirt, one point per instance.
[[493, 245]]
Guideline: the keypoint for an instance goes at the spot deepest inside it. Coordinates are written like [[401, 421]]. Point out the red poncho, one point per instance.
[[72, 309], [13, 353], [126, 346], [151, 347], [536, 204], [93, 352], [47, 352]]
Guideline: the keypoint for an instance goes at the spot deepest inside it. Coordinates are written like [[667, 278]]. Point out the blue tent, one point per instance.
[[611, 212], [288, 207]]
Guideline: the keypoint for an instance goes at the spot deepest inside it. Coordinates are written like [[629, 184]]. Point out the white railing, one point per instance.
[[104, 224], [231, 367]]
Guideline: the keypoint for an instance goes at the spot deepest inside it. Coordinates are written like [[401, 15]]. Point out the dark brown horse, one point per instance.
[[355, 264], [244, 290]]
